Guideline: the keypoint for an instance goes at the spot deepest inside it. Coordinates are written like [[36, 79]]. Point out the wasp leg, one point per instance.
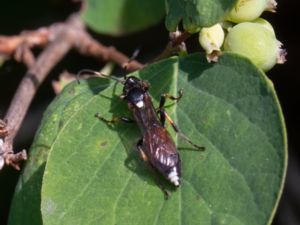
[[164, 96], [162, 102], [114, 120], [144, 157], [164, 116]]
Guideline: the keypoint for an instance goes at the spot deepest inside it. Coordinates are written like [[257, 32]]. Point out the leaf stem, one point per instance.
[[175, 45]]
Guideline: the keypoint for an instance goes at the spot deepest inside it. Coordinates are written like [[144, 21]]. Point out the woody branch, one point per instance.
[[57, 40]]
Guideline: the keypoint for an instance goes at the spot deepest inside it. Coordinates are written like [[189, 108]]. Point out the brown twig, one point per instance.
[[8, 44], [85, 44], [24, 54], [27, 89], [58, 39], [91, 47]]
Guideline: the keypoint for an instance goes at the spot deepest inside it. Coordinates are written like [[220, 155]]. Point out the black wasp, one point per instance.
[[156, 146]]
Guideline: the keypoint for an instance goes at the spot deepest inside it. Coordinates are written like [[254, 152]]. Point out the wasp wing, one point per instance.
[[161, 149]]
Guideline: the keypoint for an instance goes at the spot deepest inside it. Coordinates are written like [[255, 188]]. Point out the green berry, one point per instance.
[[257, 43], [265, 23], [211, 38], [248, 10]]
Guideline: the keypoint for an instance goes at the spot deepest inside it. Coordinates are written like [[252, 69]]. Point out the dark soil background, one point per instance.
[[18, 15]]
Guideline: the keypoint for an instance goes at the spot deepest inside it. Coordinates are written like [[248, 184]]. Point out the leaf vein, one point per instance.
[[120, 195]]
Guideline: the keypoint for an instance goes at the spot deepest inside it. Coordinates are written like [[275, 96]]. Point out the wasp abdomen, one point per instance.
[[171, 173], [169, 166], [173, 176]]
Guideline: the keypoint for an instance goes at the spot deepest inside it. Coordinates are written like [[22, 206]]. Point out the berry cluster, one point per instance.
[[243, 32]]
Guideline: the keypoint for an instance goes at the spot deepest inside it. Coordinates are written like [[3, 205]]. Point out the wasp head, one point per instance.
[[134, 91]]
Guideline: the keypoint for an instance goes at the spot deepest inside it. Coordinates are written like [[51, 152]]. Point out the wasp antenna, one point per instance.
[[96, 73], [85, 71], [133, 56], [135, 53]]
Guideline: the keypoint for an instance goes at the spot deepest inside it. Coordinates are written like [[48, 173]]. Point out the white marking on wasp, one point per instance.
[[157, 153], [1, 158], [173, 176], [168, 161], [1, 143], [140, 104]]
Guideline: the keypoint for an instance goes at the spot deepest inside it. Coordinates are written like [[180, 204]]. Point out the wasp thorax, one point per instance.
[[136, 97]]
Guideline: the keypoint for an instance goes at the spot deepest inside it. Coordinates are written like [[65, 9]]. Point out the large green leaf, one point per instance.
[[196, 13], [119, 17], [93, 174]]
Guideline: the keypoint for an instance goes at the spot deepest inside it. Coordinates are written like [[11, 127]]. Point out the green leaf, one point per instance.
[[196, 13], [94, 176], [120, 17], [25, 207]]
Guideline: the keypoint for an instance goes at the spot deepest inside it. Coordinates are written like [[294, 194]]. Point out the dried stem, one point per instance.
[[58, 39]]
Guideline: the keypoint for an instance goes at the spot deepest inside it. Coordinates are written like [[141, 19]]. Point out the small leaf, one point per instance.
[[121, 17], [196, 13], [93, 174]]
